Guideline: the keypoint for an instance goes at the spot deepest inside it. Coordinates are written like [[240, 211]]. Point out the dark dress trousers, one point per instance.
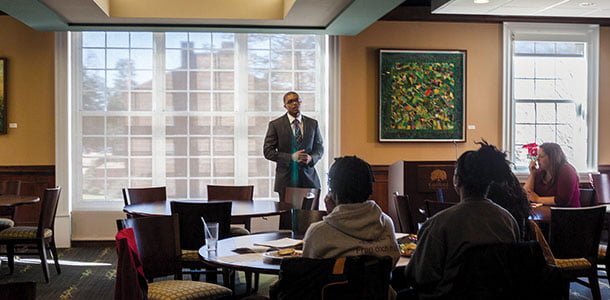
[[279, 145]]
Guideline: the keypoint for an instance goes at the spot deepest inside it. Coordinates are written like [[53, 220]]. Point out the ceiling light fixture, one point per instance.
[[481, 1], [586, 4]]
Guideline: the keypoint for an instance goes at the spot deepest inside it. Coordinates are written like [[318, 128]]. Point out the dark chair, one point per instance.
[[301, 219], [296, 196], [10, 187], [300, 198], [506, 271], [234, 193], [144, 195], [192, 235], [43, 236], [403, 214], [434, 207], [18, 291], [601, 186], [574, 237], [354, 277], [157, 242]]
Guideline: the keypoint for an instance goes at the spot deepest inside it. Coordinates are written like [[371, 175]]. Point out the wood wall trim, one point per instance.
[[47, 170], [603, 168]]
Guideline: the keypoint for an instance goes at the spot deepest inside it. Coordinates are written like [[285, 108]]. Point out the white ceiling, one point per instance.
[[540, 8]]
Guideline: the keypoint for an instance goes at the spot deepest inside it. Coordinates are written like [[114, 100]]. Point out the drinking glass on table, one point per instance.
[[211, 235]]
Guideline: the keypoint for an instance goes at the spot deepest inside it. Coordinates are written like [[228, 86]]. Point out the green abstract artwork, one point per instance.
[[422, 96]]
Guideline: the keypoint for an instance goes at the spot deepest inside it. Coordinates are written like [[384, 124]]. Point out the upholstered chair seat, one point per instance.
[[182, 289], [23, 232]]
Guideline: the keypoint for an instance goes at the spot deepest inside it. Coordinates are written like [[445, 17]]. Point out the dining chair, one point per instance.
[[43, 235], [403, 215], [409, 213], [587, 197], [18, 290], [574, 236], [234, 193], [10, 187], [434, 207], [192, 234], [601, 186], [300, 198], [506, 271], [352, 277], [139, 195], [155, 246], [301, 219]]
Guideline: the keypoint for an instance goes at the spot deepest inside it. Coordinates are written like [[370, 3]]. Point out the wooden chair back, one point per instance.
[[301, 219], [10, 187], [192, 232], [48, 210], [601, 184], [505, 271], [434, 207], [587, 197], [158, 243], [402, 213], [407, 212], [230, 192], [303, 198], [352, 277], [144, 195], [575, 232]]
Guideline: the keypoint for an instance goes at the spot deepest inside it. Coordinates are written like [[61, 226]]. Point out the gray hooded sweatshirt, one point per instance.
[[352, 230]]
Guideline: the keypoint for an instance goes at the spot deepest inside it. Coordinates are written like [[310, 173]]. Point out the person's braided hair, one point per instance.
[[476, 170], [350, 179]]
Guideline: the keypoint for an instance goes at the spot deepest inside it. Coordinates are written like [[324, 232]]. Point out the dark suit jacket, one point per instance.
[[279, 146]]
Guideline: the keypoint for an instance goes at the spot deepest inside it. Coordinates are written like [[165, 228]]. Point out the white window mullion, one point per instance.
[[158, 110], [241, 107]]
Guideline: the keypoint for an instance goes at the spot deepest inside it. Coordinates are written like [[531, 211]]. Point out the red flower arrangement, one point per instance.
[[532, 151]]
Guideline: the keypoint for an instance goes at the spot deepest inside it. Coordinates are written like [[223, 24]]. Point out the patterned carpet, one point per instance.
[[89, 273]]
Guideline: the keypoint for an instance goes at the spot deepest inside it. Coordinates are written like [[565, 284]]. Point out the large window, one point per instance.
[[551, 90], [184, 109]]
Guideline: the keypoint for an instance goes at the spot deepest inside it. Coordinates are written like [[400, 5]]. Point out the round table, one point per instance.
[[225, 257], [15, 200], [239, 209]]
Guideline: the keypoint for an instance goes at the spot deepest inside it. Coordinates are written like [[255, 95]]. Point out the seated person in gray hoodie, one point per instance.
[[356, 226]]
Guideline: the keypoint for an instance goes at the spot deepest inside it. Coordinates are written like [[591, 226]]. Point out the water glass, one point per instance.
[[211, 235]]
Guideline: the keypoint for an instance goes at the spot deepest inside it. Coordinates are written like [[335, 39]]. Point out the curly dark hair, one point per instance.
[[476, 170], [350, 179], [511, 196]]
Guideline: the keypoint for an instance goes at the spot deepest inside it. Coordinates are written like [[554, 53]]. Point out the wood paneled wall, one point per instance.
[[34, 180], [380, 186]]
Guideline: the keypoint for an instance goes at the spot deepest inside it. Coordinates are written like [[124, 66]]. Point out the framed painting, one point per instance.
[[3, 115], [422, 96]]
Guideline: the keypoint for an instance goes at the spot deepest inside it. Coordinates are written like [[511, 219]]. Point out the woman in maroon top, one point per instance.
[[554, 181]]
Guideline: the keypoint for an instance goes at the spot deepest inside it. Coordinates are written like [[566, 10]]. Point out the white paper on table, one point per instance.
[[242, 258], [281, 243], [400, 235]]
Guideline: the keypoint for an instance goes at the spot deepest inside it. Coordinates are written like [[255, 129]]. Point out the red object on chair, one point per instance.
[[129, 268]]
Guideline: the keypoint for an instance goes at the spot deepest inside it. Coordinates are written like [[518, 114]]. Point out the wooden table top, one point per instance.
[[239, 209], [14, 200], [224, 256]]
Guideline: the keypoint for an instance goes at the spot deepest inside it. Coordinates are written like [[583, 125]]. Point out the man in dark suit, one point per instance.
[[294, 142]]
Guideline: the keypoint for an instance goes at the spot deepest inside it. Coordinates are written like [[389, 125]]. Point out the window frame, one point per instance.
[[586, 33], [321, 113]]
